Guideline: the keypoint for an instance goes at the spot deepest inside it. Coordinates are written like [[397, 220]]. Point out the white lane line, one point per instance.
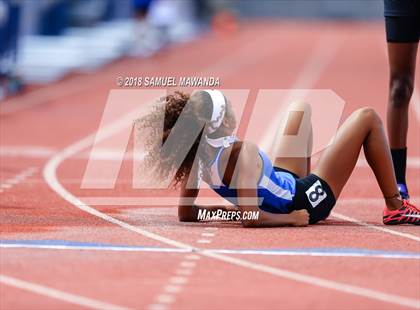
[[173, 289], [57, 294], [370, 226], [206, 237], [165, 298], [30, 151], [17, 179], [371, 201], [184, 272], [157, 307], [178, 280], [211, 228], [176, 283], [204, 234]]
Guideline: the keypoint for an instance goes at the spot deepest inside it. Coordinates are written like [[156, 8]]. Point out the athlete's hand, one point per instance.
[[188, 213], [301, 218]]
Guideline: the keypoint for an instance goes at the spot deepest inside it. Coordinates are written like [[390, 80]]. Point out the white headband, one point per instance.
[[219, 108]]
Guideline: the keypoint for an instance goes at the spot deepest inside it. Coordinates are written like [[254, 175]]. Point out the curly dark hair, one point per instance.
[[196, 111]]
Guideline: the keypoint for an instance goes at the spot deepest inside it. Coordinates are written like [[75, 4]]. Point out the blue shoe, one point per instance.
[[402, 188]]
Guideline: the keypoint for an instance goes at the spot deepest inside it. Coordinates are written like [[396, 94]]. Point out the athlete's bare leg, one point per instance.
[[298, 122], [362, 129], [402, 65]]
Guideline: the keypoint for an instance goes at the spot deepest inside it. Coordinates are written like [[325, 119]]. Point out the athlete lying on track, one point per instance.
[[290, 193]]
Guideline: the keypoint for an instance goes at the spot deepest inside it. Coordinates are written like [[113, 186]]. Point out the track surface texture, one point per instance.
[[58, 251]]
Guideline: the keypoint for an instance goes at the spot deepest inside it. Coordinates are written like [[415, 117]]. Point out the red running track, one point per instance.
[[290, 268]]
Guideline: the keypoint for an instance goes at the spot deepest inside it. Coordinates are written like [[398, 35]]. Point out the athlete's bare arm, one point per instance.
[[245, 179], [188, 210]]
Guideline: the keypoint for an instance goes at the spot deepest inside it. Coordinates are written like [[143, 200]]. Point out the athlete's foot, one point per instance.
[[402, 188], [406, 214]]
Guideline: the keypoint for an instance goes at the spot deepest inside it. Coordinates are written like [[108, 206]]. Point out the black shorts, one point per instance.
[[312, 194], [402, 20]]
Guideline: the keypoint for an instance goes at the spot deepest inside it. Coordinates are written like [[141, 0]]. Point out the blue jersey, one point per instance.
[[275, 190]]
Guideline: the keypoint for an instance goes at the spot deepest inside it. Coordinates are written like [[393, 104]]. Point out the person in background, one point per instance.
[[10, 83], [402, 21], [146, 36], [141, 8]]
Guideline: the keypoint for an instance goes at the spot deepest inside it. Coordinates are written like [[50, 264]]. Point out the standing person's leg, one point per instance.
[[403, 32], [402, 63]]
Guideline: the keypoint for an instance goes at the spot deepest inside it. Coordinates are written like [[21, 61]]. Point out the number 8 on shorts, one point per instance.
[[316, 194]]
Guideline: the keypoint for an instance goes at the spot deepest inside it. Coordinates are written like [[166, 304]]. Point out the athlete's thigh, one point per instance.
[[339, 159], [294, 142]]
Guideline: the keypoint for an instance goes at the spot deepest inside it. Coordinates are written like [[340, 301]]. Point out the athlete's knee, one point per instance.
[[369, 116], [400, 90]]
